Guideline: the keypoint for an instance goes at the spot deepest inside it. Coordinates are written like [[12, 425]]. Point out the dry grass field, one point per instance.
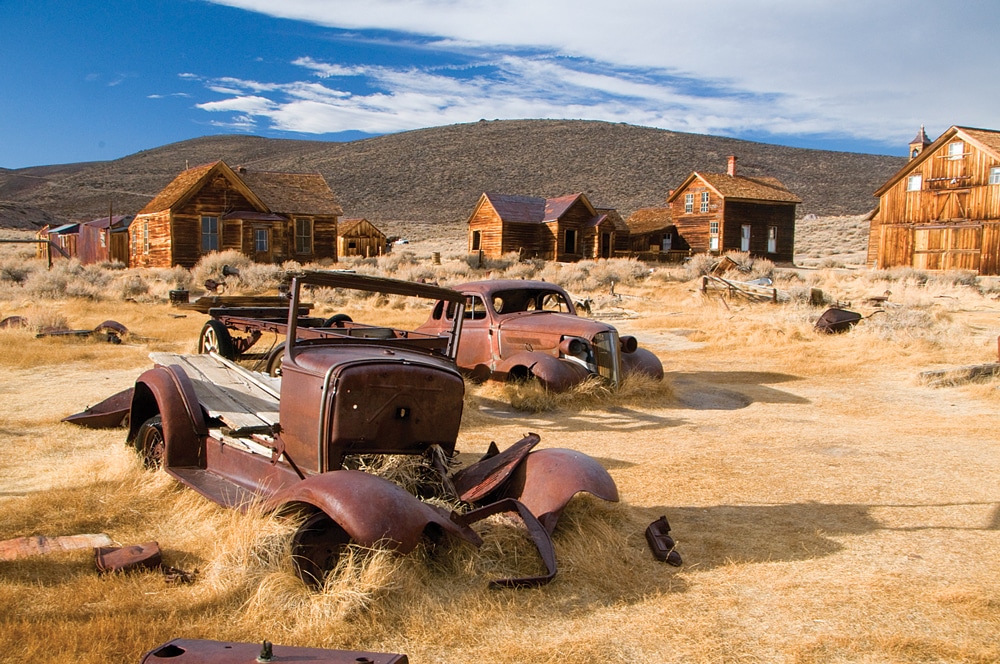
[[829, 505]]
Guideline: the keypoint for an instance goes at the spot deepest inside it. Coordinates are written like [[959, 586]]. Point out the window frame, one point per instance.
[[953, 154], [994, 177], [688, 203], [914, 182], [209, 235], [258, 234], [704, 201], [303, 236], [477, 240]]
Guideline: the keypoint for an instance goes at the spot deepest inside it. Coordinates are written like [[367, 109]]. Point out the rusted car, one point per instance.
[[519, 329], [239, 437]]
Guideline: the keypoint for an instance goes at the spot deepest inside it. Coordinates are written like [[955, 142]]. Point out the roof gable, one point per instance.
[[555, 208], [524, 209], [189, 182], [987, 140]]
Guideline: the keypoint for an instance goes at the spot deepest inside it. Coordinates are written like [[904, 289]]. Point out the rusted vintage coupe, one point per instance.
[[519, 329], [240, 437]]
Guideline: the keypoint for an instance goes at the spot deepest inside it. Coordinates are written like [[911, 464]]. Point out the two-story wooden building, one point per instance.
[[270, 217], [719, 212], [567, 228], [942, 210]]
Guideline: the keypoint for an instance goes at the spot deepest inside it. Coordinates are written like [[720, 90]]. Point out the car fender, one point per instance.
[[555, 373], [167, 390], [548, 479], [642, 361], [370, 509]]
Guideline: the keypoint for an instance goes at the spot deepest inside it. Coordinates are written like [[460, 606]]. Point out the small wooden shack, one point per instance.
[[653, 236], [719, 212], [567, 228], [267, 216], [941, 211], [360, 237]]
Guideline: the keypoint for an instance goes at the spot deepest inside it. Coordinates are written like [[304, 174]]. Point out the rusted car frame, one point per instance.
[[521, 329], [240, 437]]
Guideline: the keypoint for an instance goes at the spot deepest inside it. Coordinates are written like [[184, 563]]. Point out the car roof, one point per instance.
[[496, 285]]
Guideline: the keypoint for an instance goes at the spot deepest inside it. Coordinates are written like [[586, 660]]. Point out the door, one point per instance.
[[745, 237], [772, 239], [262, 244], [605, 245], [668, 241]]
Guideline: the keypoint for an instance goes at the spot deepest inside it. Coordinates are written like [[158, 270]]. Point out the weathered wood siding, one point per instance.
[[946, 221], [487, 222], [363, 240], [529, 239], [155, 230], [760, 216]]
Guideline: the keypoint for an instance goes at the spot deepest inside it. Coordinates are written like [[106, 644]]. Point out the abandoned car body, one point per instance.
[[238, 437], [515, 330]]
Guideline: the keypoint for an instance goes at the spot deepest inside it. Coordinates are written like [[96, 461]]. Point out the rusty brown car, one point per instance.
[[520, 329], [238, 436]]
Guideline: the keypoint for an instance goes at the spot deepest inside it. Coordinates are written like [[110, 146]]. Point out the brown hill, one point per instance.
[[436, 175]]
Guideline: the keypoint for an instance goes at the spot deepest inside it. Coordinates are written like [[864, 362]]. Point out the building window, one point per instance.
[[209, 234], [303, 236], [689, 202], [995, 175], [260, 240], [956, 150], [477, 240], [145, 237], [704, 201], [570, 243], [713, 236], [914, 182], [772, 239], [352, 244]]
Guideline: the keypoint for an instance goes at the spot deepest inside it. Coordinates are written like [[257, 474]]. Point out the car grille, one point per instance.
[[607, 356]]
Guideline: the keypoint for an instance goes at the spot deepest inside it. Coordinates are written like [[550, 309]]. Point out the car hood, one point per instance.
[[544, 322]]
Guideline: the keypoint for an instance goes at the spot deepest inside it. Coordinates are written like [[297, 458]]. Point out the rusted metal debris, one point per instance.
[[661, 543], [11, 322], [25, 547], [108, 414], [835, 320], [110, 331], [194, 651], [128, 558], [345, 388]]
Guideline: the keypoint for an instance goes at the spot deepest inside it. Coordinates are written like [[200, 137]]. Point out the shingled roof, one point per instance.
[[649, 220], [524, 209], [286, 193], [738, 186], [292, 193]]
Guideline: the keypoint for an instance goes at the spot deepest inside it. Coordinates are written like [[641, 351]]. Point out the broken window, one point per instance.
[[209, 234]]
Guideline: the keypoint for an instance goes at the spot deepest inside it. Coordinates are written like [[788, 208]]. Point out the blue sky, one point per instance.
[[90, 80]]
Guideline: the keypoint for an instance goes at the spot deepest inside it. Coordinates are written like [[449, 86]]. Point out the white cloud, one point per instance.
[[869, 69]]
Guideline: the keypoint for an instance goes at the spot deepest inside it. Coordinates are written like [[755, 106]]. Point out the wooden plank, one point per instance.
[[226, 393], [23, 547]]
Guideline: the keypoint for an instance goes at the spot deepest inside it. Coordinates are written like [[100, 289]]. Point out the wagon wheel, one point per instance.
[[216, 338], [337, 320], [316, 546], [274, 360], [150, 443]]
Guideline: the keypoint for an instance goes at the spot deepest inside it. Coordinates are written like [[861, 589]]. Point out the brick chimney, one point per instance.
[[732, 166]]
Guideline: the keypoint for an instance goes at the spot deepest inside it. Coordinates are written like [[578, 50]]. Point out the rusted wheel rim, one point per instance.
[[151, 443], [209, 340], [316, 547]]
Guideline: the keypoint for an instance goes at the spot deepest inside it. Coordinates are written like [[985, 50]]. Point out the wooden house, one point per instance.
[[100, 240], [719, 212], [267, 216], [568, 228], [652, 232], [359, 237], [621, 230], [941, 211]]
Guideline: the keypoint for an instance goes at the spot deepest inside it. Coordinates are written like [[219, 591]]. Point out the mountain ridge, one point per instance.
[[434, 176]]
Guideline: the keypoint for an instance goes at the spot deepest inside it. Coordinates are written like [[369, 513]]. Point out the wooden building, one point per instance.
[[941, 211], [652, 232], [568, 228], [720, 212], [267, 216], [97, 241], [359, 237]]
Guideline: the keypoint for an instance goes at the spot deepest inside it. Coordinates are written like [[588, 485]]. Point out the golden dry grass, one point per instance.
[[830, 507]]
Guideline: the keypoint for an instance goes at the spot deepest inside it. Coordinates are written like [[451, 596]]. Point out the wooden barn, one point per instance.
[[359, 237], [269, 217], [719, 212], [567, 228], [942, 210], [100, 240], [652, 234]]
